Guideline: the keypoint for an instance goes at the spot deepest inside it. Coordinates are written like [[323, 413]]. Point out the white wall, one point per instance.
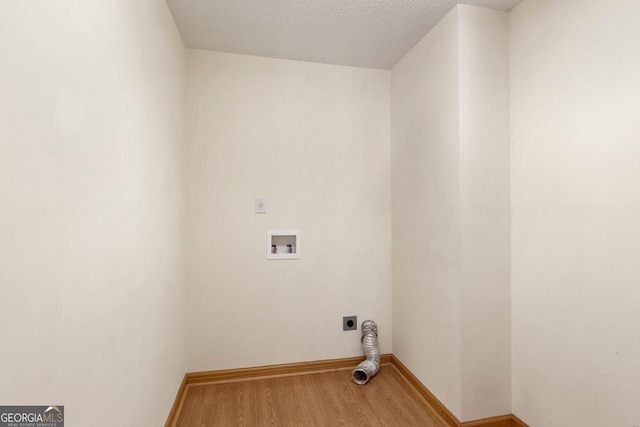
[[483, 43], [91, 303], [575, 98], [450, 203], [90, 210], [314, 140], [426, 211]]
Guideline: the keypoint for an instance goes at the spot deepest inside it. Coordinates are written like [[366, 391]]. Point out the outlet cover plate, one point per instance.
[[261, 205], [350, 323]]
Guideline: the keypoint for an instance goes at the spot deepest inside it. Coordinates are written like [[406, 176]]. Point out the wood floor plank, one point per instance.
[[313, 395], [189, 405], [354, 401], [293, 393], [434, 418], [246, 404], [411, 410], [324, 399]]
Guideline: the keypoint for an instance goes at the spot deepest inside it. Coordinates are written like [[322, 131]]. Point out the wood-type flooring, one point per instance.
[[317, 399]]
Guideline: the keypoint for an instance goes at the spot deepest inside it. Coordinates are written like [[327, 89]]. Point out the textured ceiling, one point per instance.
[[361, 33]]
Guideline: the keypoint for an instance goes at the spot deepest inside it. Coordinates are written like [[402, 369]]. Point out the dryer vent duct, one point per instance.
[[368, 368]]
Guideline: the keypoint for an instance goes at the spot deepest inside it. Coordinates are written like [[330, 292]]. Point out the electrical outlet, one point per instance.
[[350, 323], [261, 205]]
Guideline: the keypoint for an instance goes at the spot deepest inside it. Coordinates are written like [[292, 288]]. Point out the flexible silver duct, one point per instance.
[[368, 368]]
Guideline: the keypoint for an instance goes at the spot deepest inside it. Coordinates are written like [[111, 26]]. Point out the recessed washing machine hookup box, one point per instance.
[[283, 244]]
